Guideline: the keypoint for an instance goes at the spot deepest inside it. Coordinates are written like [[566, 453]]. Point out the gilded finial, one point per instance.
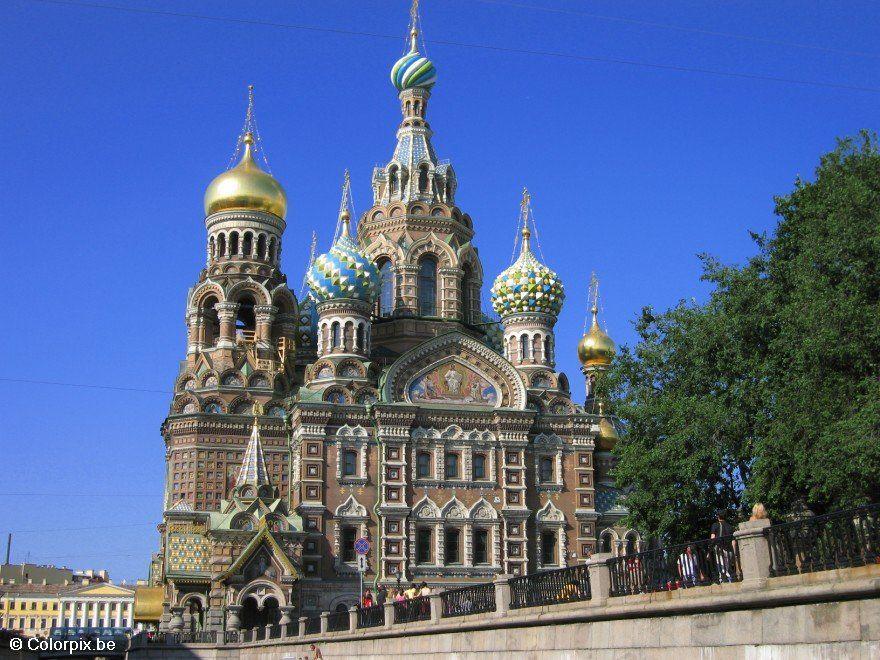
[[344, 214], [524, 208], [594, 297], [414, 26]]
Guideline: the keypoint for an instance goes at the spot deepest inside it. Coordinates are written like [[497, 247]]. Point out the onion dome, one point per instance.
[[246, 187], [608, 435], [344, 272], [413, 69], [527, 286], [596, 348]]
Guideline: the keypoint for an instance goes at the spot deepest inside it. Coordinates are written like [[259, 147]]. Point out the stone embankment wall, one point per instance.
[[832, 614]]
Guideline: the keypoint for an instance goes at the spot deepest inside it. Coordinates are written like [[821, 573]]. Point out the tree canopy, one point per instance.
[[769, 390]]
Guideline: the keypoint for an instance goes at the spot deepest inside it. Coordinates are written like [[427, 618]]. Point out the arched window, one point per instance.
[[467, 300], [247, 243], [212, 248], [272, 250], [545, 469], [335, 335], [360, 337], [423, 465], [221, 246], [393, 180], [261, 246], [349, 463], [233, 243], [479, 470], [246, 320], [423, 178], [631, 543], [210, 322], [548, 350], [428, 287], [524, 346], [605, 542], [386, 293]]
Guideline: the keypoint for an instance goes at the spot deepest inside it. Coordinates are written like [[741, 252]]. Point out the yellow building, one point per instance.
[[30, 608]]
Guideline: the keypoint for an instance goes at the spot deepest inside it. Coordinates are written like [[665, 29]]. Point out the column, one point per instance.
[[119, 614], [95, 606], [232, 620], [195, 319], [502, 593], [265, 314], [754, 552], [129, 615], [106, 618], [600, 578], [226, 313]]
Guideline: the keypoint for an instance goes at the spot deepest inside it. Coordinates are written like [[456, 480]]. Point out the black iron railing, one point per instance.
[[232, 636], [313, 625], [247, 636], [564, 585], [275, 631], [676, 567], [836, 540], [414, 609], [468, 600], [338, 621], [259, 633], [197, 637], [293, 629], [370, 617]]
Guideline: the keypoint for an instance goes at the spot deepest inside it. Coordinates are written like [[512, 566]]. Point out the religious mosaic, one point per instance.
[[452, 382]]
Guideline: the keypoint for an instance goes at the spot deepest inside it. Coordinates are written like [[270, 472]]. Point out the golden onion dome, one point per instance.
[[246, 187], [608, 436], [596, 348]]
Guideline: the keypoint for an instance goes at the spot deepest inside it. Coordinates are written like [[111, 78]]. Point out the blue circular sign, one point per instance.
[[362, 546]]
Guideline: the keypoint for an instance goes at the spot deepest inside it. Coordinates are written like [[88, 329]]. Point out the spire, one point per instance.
[[414, 27], [594, 298], [250, 136], [253, 467], [344, 213], [525, 212]]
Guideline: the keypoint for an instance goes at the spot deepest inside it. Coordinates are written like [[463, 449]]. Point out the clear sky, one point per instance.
[[114, 122]]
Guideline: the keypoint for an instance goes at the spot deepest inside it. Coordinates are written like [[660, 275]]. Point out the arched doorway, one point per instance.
[[196, 615], [271, 611], [250, 614]]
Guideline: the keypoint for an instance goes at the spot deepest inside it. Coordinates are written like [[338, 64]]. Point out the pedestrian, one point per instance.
[[412, 592], [723, 547], [568, 591], [367, 599], [399, 596], [424, 589], [688, 567], [381, 595]]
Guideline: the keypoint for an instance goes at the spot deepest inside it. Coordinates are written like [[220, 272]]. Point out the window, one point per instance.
[[423, 546], [452, 550], [428, 287], [335, 335], [545, 469], [479, 466], [386, 290], [481, 546], [467, 298], [451, 466], [349, 534], [423, 465], [524, 346], [548, 549], [349, 463]]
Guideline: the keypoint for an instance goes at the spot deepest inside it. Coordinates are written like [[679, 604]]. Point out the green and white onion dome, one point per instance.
[[413, 70], [343, 272], [527, 286]]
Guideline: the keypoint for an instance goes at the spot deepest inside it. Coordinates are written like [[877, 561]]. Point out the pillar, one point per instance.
[[600, 578], [302, 626], [389, 614], [265, 315], [226, 313], [502, 593], [233, 622], [754, 552], [286, 614], [176, 623], [324, 622], [352, 619], [436, 607]]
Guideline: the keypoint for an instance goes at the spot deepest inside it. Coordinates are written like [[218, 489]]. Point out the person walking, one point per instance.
[[412, 592], [367, 599], [381, 595], [688, 567], [723, 548], [424, 589]]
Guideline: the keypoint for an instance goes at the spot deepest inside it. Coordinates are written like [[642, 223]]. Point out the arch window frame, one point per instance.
[[428, 283]]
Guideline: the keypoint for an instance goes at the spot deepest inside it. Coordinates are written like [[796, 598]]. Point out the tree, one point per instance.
[[768, 391]]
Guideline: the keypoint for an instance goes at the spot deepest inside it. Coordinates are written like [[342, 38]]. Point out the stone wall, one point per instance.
[[833, 614]]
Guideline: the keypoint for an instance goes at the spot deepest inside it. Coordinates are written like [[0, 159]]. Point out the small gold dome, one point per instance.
[[246, 186], [596, 348], [608, 436]]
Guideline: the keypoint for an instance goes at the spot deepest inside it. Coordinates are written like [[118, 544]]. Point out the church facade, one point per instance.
[[385, 405]]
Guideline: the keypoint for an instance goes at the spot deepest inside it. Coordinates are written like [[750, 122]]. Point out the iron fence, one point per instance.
[[259, 633], [337, 621], [313, 625], [676, 567], [231, 636], [197, 637], [370, 617], [293, 629], [274, 631], [836, 540], [564, 585], [468, 600], [247, 636], [413, 609]]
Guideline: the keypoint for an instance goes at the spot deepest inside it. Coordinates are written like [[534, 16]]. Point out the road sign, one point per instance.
[[362, 564], [362, 546]]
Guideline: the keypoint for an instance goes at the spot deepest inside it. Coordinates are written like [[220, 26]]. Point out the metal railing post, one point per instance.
[[754, 552], [600, 578], [352, 619], [389, 614], [502, 593]]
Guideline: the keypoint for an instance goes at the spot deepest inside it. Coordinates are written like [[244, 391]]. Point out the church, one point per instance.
[[385, 405]]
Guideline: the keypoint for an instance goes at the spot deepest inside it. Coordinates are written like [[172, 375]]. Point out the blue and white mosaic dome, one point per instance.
[[527, 286], [413, 70], [343, 272]]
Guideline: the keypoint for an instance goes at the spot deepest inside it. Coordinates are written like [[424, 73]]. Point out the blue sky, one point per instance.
[[115, 121]]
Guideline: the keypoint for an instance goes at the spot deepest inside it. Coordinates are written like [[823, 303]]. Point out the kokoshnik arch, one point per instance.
[[384, 405]]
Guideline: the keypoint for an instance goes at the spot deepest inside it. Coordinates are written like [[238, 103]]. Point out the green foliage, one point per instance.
[[769, 391]]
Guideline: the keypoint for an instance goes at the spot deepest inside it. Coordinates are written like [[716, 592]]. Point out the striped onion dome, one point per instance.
[[527, 286], [413, 70], [343, 272]]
